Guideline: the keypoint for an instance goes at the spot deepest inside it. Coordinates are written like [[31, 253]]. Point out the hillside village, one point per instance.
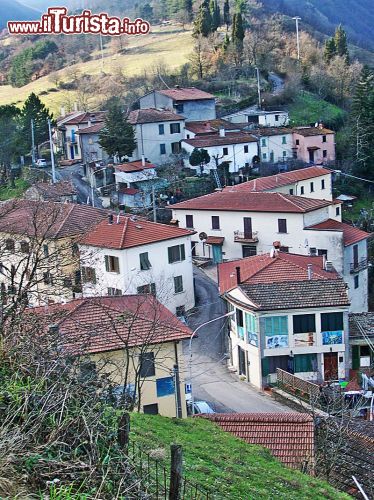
[[187, 303]]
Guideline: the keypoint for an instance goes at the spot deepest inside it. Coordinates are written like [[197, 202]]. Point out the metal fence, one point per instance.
[[156, 478]]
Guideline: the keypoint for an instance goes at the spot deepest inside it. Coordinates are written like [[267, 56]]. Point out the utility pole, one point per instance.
[[154, 204], [32, 143], [102, 53], [52, 154], [297, 19], [258, 87], [177, 392]]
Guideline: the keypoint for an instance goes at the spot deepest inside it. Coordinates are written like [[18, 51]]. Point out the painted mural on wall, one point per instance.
[[334, 337]]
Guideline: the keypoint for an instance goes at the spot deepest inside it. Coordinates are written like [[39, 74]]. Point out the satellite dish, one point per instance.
[[203, 236]]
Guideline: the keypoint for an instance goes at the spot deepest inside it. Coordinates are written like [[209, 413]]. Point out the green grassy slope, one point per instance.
[[224, 464], [308, 108]]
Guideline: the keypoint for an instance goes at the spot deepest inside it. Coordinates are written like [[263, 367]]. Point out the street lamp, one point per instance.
[[231, 313], [297, 19]]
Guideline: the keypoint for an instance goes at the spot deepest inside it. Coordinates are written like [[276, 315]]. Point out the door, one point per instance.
[[193, 248], [241, 354], [217, 254], [330, 361], [247, 221], [72, 152], [355, 256], [311, 155]]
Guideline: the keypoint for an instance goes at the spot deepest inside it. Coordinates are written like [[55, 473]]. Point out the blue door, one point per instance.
[[217, 254]]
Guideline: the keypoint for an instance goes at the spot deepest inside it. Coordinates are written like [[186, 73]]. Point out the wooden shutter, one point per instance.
[[107, 263], [355, 357], [183, 253]]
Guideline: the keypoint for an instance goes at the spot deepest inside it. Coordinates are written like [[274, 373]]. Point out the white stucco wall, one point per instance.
[[272, 148], [358, 296], [131, 276]]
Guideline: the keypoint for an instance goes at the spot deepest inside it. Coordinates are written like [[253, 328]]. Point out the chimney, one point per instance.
[[110, 219], [222, 132], [143, 161], [238, 277], [310, 271], [328, 266]]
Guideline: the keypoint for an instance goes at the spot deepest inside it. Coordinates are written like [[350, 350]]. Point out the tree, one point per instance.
[[8, 141], [188, 9], [203, 21], [117, 137], [330, 50], [238, 36], [199, 157], [201, 57], [35, 110], [226, 14], [340, 39], [216, 14], [146, 12], [362, 116]]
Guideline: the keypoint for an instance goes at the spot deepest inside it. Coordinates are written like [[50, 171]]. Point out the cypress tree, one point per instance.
[[340, 39], [203, 21], [238, 32], [329, 50], [36, 110], [226, 14], [215, 13], [188, 9]]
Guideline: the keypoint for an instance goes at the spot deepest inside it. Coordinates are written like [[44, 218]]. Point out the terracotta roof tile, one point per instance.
[[311, 131], [101, 324], [210, 126], [85, 117], [215, 240], [133, 166], [48, 219], [207, 141], [186, 94], [54, 191], [131, 232], [288, 436], [360, 323], [269, 131], [151, 115], [94, 129], [265, 269], [351, 234], [283, 179], [242, 201]]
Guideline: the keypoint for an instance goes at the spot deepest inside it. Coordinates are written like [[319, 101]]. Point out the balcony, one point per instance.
[[242, 237], [359, 266]]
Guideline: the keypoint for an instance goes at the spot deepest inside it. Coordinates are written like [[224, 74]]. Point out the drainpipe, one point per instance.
[[178, 401]]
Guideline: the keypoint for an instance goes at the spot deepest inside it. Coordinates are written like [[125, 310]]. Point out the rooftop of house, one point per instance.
[[268, 131], [53, 192], [351, 234], [209, 127], [312, 131], [134, 166], [207, 141], [282, 179], [361, 324], [186, 94], [289, 436], [281, 267], [85, 117], [102, 324], [130, 231], [93, 129], [151, 115], [242, 201], [258, 112], [283, 282], [48, 219]]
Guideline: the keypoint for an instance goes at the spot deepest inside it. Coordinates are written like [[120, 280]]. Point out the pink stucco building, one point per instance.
[[314, 144]]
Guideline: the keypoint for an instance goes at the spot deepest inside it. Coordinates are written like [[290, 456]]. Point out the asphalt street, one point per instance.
[[75, 174], [211, 380]]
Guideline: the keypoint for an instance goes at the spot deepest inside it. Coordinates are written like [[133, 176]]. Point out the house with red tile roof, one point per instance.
[[314, 145], [238, 149], [192, 103], [128, 254], [68, 126], [290, 313], [250, 218], [288, 436], [40, 254], [63, 191], [133, 339]]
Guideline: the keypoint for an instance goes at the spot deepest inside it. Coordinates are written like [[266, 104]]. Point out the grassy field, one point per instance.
[[170, 45], [224, 464], [6, 192], [308, 108]]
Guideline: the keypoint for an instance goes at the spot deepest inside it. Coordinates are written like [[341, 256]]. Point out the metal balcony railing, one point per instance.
[[359, 266], [242, 237]]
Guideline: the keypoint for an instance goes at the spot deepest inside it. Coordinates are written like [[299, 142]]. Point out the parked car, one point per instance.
[[41, 162], [199, 407]]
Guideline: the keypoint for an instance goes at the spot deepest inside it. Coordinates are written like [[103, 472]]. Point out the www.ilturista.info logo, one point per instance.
[[57, 21]]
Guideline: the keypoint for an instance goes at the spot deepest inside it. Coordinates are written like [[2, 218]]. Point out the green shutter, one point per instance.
[[268, 326], [183, 253], [265, 367], [283, 325], [170, 254], [304, 362], [107, 263], [355, 357]]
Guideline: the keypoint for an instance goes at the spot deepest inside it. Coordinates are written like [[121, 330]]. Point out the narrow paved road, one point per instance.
[[211, 380], [74, 173], [277, 82]]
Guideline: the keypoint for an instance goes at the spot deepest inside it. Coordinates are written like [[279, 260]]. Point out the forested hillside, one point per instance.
[[357, 16]]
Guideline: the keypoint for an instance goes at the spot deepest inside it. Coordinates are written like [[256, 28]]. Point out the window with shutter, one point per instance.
[[331, 322], [215, 222], [147, 364], [282, 225], [189, 221], [304, 323], [178, 284], [305, 363], [88, 275], [176, 253], [144, 261], [9, 245], [149, 288], [111, 264], [355, 357]]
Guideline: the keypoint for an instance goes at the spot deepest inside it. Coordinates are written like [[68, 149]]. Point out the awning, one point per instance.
[[215, 240], [313, 148]]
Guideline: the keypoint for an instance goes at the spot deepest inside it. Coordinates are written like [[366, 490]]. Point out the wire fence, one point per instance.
[[156, 478]]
